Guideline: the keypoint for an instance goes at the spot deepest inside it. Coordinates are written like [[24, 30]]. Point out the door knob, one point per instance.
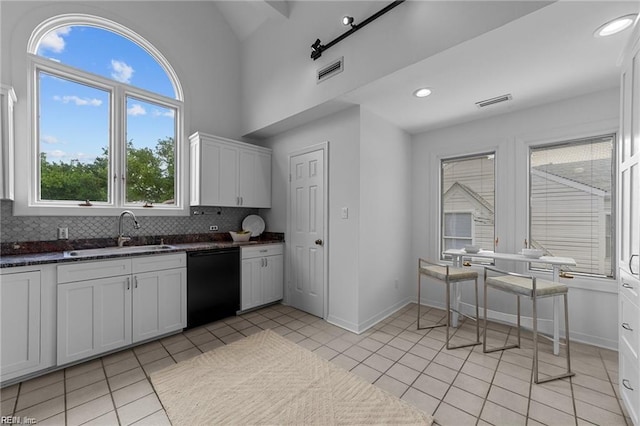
[[319, 242]]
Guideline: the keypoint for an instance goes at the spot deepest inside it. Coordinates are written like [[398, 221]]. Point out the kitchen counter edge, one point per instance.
[[13, 261]]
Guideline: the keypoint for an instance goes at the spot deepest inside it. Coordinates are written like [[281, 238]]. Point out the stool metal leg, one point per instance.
[[419, 286], [484, 337], [568, 373], [477, 320]]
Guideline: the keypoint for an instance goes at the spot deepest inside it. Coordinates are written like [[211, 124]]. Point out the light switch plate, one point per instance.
[[345, 213]]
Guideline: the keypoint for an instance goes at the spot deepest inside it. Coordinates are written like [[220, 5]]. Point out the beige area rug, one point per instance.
[[266, 379]]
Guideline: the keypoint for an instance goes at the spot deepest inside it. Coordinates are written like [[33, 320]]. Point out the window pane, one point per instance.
[[570, 203], [467, 199], [73, 140], [457, 224], [107, 54], [150, 153]]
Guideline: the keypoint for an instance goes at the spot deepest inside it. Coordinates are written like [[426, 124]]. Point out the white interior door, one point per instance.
[[307, 257]]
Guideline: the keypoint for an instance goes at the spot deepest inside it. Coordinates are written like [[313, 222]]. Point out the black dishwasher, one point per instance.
[[213, 285]]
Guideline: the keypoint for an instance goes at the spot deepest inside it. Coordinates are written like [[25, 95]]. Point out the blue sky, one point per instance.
[[74, 118]]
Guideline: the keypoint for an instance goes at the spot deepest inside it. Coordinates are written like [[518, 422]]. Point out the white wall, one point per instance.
[[592, 302], [342, 131], [279, 77], [385, 220], [192, 35]]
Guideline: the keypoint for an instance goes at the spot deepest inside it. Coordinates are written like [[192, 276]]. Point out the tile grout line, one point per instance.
[[106, 378], [148, 379]]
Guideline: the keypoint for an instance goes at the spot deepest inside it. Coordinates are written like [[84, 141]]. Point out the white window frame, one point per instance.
[[439, 159], [571, 142], [31, 204], [521, 199]]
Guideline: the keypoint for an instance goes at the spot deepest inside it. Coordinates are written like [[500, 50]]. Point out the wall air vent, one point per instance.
[[493, 101], [336, 67]]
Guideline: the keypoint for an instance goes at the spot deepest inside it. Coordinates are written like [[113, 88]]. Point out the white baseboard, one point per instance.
[[545, 326], [364, 326]]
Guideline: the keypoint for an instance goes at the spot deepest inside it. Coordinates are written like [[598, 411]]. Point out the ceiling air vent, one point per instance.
[[493, 101], [330, 70]]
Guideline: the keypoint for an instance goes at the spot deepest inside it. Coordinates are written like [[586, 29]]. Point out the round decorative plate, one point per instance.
[[253, 223]]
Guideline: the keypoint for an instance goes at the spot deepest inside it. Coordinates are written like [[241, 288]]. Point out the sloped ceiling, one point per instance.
[[246, 16]]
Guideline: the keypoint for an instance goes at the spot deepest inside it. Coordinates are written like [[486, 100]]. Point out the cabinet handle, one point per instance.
[[266, 262], [242, 201], [135, 280], [128, 283], [626, 326], [626, 384], [625, 285], [630, 261]]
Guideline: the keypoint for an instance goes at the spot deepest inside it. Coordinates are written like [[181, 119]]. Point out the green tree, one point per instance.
[[150, 173], [150, 176]]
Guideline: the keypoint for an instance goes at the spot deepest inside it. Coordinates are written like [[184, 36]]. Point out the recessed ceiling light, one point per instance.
[[422, 93], [615, 26]]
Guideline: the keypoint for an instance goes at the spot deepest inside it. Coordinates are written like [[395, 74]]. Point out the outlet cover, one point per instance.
[[63, 233], [213, 228]]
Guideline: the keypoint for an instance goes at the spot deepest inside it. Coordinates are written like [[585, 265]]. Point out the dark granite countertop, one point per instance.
[[40, 258]]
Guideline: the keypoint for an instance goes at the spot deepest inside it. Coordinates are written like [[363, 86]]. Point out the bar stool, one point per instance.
[[448, 275], [534, 288]]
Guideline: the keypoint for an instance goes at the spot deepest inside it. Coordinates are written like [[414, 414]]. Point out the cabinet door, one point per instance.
[[251, 288], [93, 317], [273, 278], [159, 303], [255, 179], [20, 301], [218, 181]]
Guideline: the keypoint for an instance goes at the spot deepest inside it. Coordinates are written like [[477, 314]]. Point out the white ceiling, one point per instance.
[[548, 55]]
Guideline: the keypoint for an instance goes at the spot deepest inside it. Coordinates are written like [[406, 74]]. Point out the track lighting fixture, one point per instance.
[[317, 48], [348, 20]]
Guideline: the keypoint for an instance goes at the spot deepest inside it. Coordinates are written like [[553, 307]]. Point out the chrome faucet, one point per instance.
[[121, 238]]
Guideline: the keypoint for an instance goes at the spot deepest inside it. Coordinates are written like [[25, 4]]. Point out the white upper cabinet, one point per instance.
[[7, 99], [228, 173]]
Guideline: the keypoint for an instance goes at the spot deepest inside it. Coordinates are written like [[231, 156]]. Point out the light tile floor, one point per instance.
[[458, 387]]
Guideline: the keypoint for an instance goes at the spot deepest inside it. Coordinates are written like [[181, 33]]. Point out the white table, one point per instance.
[[555, 262]]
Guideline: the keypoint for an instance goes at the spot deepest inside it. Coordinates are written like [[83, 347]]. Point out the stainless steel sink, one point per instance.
[[118, 250]]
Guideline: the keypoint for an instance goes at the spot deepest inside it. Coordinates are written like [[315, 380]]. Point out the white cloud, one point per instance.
[[121, 72], [56, 153], [66, 157], [54, 40], [136, 109], [78, 100], [168, 113], [48, 139]]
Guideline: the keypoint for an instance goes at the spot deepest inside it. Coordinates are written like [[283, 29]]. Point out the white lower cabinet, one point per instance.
[[98, 313], [20, 301], [93, 317], [27, 306], [262, 275], [158, 300]]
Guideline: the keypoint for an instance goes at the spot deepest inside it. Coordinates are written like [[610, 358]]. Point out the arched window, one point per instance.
[[107, 113]]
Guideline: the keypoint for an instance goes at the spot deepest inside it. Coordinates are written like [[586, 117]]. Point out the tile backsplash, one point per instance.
[[44, 228]]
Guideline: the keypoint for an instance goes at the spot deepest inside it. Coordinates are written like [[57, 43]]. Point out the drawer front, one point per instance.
[[89, 270], [159, 262], [262, 251], [630, 287], [630, 385], [629, 327]]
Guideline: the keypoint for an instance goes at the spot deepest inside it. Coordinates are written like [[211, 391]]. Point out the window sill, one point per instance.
[[96, 210]]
